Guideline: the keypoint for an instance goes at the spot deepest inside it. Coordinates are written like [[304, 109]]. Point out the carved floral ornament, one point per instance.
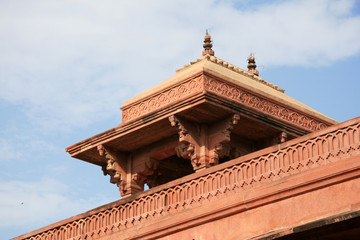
[[204, 83]]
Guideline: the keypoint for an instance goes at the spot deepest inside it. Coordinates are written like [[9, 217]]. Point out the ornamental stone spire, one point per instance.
[[207, 45], [252, 65]]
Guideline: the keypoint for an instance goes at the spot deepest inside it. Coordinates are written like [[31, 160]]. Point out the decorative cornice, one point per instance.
[[293, 157], [202, 84], [175, 94], [269, 107]]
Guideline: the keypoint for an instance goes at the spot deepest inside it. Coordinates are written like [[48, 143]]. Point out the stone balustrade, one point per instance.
[[293, 157]]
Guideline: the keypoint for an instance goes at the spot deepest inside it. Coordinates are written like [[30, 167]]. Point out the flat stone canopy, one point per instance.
[[224, 111]]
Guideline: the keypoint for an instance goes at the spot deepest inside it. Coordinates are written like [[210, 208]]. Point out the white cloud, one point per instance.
[[341, 7], [19, 147], [37, 203], [294, 33], [69, 64], [8, 151]]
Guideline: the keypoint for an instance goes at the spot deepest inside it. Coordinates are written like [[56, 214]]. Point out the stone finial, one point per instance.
[[252, 66], [207, 45]]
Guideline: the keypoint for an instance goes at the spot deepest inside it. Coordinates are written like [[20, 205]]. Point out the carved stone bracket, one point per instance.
[[203, 144], [128, 177], [279, 138], [188, 147], [221, 150], [115, 166], [145, 173], [219, 139], [283, 137]]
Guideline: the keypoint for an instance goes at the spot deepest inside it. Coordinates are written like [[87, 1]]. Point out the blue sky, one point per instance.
[[67, 66]]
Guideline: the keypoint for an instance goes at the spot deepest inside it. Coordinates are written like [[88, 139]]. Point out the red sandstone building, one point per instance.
[[226, 155]]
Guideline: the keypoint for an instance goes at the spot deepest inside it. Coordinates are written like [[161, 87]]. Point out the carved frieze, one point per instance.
[[230, 91], [261, 104], [172, 95]]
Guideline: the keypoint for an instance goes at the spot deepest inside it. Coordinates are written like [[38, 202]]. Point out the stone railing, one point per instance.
[[292, 157]]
